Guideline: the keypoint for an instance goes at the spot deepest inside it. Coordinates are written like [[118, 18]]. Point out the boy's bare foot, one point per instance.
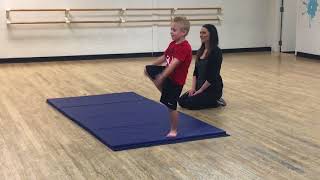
[[172, 134]]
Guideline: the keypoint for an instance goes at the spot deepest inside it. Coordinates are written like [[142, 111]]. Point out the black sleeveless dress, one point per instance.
[[206, 70]]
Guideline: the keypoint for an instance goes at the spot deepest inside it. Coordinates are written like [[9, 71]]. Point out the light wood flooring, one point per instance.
[[273, 117]]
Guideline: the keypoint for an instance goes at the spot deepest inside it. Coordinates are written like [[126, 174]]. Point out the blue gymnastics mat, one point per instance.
[[127, 120]]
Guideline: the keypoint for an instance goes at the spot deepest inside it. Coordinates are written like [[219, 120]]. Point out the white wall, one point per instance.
[[274, 24], [60, 40], [246, 24], [308, 32], [289, 26]]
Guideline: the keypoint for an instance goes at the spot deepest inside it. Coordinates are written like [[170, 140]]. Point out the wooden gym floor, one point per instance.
[[273, 117]]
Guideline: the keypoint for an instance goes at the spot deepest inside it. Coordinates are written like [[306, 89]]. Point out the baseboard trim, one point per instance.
[[114, 56], [288, 52], [241, 50], [307, 55]]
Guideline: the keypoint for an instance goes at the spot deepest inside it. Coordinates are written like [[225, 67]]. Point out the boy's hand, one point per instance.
[[145, 71], [159, 80]]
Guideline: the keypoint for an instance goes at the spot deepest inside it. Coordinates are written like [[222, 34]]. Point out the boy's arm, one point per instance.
[[167, 71], [160, 60]]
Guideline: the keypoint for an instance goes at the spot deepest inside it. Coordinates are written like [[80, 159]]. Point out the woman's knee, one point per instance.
[[182, 101], [186, 103]]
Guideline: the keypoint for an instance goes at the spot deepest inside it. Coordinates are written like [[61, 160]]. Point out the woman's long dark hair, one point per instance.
[[213, 40]]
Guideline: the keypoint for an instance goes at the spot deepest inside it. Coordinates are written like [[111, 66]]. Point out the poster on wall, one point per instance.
[[308, 27], [311, 12]]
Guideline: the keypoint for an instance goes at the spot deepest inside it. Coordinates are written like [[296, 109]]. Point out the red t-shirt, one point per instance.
[[183, 53]]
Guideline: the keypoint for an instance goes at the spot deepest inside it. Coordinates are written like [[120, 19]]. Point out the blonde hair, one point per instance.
[[184, 22]]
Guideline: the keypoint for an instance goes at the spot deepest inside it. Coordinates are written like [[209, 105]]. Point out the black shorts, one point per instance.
[[170, 90]]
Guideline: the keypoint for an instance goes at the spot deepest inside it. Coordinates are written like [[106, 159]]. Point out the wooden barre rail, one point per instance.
[[88, 22], [39, 22], [122, 15], [114, 9], [33, 10]]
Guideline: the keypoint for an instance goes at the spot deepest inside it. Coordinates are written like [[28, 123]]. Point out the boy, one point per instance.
[[170, 79]]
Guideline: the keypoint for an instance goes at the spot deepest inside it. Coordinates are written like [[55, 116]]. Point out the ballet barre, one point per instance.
[[122, 12]]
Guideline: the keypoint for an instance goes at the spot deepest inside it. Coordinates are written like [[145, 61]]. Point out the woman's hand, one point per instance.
[[191, 92], [197, 92]]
